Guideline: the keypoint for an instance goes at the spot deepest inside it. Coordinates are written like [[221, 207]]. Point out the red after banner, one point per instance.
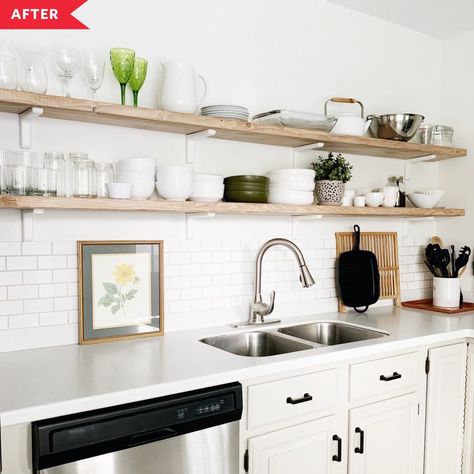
[[40, 15]]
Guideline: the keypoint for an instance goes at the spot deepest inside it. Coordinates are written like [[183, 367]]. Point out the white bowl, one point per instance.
[[374, 199], [207, 192], [424, 201], [292, 173], [208, 178], [143, 189], [129, 176], [119, 190], [279, 196], [293, 184], [430, 192], [174, 183], [135, 164]]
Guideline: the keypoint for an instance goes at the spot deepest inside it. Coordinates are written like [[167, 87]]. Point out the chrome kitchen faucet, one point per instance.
[[259, 309]]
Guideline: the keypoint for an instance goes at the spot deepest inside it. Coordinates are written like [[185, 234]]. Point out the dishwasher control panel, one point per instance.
[[205, 408]]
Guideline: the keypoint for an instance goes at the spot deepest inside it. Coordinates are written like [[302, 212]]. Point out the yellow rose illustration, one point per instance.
[[124, 274]]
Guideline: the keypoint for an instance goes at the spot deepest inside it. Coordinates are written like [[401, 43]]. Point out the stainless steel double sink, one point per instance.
[[291, 339]]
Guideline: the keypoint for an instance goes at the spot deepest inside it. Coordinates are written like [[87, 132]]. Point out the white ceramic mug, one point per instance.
[[446, 292], [359, 201], [390, 196], [179, 91]]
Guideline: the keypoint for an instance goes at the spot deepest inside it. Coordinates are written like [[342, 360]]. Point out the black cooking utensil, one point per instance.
[[445, 260], [453, 261], [463, 258], [359, 278]]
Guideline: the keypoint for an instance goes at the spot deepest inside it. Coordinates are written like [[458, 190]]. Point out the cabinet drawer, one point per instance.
[[293, 397], [381, 377]]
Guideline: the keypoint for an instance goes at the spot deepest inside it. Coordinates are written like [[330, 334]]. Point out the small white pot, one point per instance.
[[446, 292]]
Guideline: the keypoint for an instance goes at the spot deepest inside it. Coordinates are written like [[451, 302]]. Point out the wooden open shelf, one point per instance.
[[237, 130], [188, 207]]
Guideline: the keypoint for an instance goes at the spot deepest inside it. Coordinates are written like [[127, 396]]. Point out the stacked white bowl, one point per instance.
[[140, 173], [291, 186], [174, 182], [208, 188]]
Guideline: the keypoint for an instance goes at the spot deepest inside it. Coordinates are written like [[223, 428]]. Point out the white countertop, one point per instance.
[[43, 383]]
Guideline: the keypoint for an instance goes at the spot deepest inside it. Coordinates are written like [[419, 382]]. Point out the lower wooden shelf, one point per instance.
[[188, 207]]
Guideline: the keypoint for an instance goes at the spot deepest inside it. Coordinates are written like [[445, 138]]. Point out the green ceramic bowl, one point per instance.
[[246, 187], [249, 178], [245, 196]]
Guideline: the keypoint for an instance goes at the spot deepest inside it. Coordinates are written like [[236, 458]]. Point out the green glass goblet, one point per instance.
[[122, 60], [138, 78]]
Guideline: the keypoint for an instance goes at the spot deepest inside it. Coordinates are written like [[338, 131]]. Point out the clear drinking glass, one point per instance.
[[19, 177], [3, 166], [33, 75], [105, 174], [55, 161], [93, 68], [84, 176], [68, 62], [8, 73], [44, 182]]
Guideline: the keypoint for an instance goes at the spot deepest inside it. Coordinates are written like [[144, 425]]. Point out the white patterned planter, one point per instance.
[[329, 193]]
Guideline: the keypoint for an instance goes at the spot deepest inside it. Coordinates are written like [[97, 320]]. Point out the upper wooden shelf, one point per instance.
[[188, 207], [237, 130]]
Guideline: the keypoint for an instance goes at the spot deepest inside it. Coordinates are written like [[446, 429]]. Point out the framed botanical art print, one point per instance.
[[120, 290]]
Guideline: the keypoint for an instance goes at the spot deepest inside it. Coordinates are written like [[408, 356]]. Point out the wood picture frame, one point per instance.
[[121, 290]]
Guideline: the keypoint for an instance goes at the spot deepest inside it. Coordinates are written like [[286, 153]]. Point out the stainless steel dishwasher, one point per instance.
[[190, 433]]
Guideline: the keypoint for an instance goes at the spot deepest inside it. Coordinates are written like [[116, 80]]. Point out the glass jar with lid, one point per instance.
[[105, 175], [84, 175]]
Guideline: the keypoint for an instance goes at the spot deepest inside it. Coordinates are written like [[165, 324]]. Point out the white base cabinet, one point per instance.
[[387, 437], [445, 409], [314, 446]]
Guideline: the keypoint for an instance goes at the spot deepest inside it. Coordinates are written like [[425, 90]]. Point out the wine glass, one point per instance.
[[138, 78], [33, 76], [122, 60], [68, 62], [8, 73], [93, 68]]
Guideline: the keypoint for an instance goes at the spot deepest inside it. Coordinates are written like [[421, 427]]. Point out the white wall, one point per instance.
[[264, 55], [456, 176]]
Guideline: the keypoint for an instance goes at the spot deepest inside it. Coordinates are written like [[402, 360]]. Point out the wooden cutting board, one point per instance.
[[385, 247]]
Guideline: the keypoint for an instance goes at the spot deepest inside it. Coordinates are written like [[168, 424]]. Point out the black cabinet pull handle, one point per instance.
[[306, 398], [338, 457], [394, 376], [360, 449]]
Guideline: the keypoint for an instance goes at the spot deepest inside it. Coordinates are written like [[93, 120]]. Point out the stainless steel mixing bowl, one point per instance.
[[400, 127]]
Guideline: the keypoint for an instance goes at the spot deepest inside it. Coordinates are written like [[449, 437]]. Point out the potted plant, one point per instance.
[[331, 175]]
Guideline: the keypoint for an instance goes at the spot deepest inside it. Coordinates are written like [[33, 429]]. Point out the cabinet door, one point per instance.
[[387, 437], [445, 409], [308, 448]]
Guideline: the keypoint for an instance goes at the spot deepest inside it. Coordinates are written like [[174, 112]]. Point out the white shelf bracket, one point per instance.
[[296, 219], [191, 139], [296, 152], [191, 219], [25, 119], [413, 220], [28, 223]]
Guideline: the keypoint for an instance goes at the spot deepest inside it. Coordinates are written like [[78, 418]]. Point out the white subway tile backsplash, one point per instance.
[[22, 263], [22, 292], [52, 262], [38, 306], [10, 248], [64, 248], [38, 280], [37, 277], [36, 248]]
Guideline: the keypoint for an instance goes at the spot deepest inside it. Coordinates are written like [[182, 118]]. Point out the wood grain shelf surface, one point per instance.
[[227, 129], [188, 207]]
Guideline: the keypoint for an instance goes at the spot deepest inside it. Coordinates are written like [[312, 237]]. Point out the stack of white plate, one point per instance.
[[291, 186], [140, 173], [226, 111]]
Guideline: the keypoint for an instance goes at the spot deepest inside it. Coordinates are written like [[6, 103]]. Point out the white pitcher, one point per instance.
[[179, 91]]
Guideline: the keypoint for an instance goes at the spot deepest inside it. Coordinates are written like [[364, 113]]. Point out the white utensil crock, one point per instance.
[[179, 91], [446, 292]]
